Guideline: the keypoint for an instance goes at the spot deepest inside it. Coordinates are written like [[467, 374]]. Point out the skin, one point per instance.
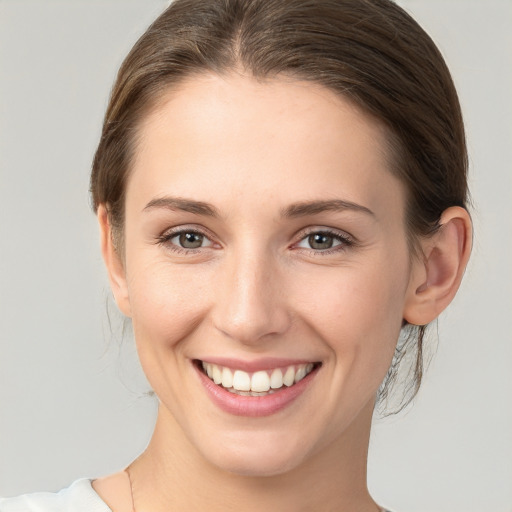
[[257, 288]]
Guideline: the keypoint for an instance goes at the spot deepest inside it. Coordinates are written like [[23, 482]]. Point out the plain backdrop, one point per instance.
[[72, 399]]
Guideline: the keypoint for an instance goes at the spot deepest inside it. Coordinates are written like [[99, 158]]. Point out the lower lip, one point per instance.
[[254, 406]]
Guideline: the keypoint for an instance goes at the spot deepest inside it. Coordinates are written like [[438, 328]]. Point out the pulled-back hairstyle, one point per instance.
[[369, 51]]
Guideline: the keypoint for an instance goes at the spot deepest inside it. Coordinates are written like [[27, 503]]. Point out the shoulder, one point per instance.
[[78, 497]]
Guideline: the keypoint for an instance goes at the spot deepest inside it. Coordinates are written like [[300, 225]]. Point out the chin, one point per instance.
[[257, 467], [256, 457]]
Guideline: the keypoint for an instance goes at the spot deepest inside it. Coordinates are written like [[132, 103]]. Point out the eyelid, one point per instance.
[[185, 228]]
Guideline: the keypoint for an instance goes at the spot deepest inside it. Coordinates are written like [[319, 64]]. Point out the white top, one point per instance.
[[78, 497]]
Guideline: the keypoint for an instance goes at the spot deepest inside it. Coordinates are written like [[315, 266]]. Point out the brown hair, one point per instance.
[[370, 51]]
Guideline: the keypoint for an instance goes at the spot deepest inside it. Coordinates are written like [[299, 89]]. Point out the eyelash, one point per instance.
[[345, 241]]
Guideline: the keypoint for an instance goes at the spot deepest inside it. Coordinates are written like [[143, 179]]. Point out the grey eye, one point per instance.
[[190, 240], [320, 241], [186, 239]]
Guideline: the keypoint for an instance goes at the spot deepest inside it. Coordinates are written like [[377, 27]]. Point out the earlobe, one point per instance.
[[113, 262], [436, 278]]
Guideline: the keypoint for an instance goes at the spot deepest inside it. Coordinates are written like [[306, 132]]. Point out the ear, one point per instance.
[[113, 262], [436, 278]]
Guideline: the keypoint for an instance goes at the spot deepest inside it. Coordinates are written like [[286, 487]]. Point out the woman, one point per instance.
[[281, 191]]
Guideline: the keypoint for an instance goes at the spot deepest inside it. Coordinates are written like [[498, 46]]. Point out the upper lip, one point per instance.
[[266, 363]]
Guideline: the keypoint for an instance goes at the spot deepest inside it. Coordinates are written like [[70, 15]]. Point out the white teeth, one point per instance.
[[207, 367], [250, 393], [260, 382], [301, 373], [216, 374], [227, 378], [241, 381], [276, 379], [289, 376]]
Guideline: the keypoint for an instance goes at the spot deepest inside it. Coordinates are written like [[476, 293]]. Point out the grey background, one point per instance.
[[72, 398]]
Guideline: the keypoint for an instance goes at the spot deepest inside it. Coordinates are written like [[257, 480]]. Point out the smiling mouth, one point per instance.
[[260, 383]]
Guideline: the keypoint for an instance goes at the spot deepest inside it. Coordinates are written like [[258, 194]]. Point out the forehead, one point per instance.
[[233, 135]]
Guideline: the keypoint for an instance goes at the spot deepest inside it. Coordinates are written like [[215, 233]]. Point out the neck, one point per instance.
[[172, 475]]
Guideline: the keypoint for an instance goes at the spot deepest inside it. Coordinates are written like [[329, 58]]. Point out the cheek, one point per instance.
[[358, 314], [166, 305]]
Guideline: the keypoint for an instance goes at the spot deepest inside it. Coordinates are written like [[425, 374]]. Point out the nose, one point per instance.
[[251, 301]]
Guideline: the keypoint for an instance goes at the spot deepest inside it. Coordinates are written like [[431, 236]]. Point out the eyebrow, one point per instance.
[[303, 209], [185, 205]]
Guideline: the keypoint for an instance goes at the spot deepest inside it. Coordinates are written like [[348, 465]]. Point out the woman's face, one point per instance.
[[264, 241]]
